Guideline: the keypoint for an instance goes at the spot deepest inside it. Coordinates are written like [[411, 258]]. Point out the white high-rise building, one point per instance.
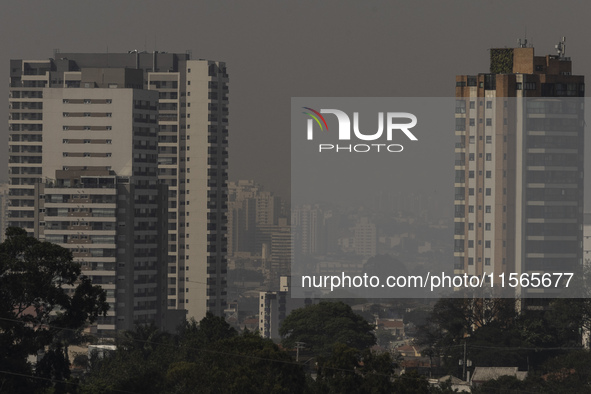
[[190, 112]]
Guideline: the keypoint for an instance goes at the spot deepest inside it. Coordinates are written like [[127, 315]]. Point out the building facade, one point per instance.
[[3, 210], [189, 108], [519, 166]]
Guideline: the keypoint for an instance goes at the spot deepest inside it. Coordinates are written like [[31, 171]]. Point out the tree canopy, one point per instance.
[[204, 357], [42, 293], [323, 325]]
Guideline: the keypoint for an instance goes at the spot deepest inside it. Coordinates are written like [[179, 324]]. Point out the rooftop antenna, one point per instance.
[[524, 43], [561, 48]]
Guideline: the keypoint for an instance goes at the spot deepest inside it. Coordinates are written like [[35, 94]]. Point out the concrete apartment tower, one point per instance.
[[186, 103], [519, 167]]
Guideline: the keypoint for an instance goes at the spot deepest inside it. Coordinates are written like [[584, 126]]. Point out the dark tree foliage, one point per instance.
[[348, 370], [205, 357], [33, 277], [497, 335], [323, 325]]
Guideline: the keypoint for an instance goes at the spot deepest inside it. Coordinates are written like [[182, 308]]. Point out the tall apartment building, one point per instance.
[[192, 118], [366, 238], [519, 166], [308, 225], [242, 215], [275, 306], [83, 175], [251, 212]]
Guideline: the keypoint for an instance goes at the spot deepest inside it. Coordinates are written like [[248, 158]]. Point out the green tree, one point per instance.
[[348, 370], [323, 325], [205, 357], [34, 276]]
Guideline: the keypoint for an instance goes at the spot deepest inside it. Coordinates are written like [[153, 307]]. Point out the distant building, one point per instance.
[[365, 238], [484, 374], [274, 308], [251, 212], [395, 326], [309, 230]]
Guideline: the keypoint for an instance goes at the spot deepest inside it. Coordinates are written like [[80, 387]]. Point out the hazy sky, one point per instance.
[[276, 50]]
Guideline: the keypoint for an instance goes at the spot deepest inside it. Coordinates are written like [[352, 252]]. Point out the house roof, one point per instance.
[[390, 323], [482, 374], [452, 379]]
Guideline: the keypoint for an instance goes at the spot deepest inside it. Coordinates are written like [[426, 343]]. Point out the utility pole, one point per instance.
[[464, 363]]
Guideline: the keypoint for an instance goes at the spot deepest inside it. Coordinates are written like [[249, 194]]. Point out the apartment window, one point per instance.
[[109, 128], [66, 114], [66, 101], [530, 86], [487, 209], [489, 104], [487, 244], [65, 141], [109, 141], [87, 101], [487, 261], [66, 128], [489, 174], [471, 157], [188, 82], [489, 139], [87, 114], [487, 226], [109, 114], [488, 157], [488, 191], [188, 70], [109, 101], [471, 139], [472, 122], [470, 174], [472, 104], [65, 154], [471, 191], [488, 121], [471, 209], [470, 243], [470, 260], [470, 226]]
